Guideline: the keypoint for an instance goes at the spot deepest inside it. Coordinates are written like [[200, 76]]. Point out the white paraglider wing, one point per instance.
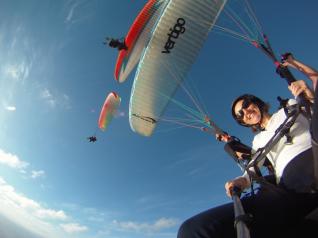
[[172, 49]]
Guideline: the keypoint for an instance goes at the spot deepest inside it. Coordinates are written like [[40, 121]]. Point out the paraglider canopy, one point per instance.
[[108, 110], [137, 38], [175, 43]]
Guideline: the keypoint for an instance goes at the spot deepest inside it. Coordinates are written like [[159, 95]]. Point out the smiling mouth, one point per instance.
[[250, 115]]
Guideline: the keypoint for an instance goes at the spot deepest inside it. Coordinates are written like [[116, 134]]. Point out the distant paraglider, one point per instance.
[[92, 139], [116, 43], [109, 110], [137, 38]]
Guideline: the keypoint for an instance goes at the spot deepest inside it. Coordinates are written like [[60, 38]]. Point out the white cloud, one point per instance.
[[157, 226], [20, 201], [19, 71], [77, 11], [10, 108], [50, 214], [164, 223], [48, 97], [13, 71], [73, 5], [37, 174], [12, 160], [70, 13], [73, 228], [27, 212], [55, 99], [65, 101]]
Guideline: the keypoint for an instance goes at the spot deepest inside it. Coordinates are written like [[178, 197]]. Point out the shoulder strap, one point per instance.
[[293, 112]]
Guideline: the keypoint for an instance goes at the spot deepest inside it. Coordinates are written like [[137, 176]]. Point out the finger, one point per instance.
[[229, 192], [292, 90], [285, 64], [300, 90]]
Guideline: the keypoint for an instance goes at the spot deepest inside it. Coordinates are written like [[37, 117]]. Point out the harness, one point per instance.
[[242, 219], [292, 112]]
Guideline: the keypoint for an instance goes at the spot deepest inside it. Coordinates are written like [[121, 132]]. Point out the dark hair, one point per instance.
[[263, 107]]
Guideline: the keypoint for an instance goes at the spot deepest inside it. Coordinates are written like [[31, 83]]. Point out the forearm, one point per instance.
[[310, 72], [299, 87]]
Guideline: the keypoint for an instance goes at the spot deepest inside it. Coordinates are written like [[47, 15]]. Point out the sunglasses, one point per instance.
[[245, 104]]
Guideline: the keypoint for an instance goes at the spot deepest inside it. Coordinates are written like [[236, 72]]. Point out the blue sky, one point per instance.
[[54, 76]]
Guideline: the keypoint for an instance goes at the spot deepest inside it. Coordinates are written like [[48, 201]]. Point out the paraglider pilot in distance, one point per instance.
[[92, 139], [277, 210], [116, 43]]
